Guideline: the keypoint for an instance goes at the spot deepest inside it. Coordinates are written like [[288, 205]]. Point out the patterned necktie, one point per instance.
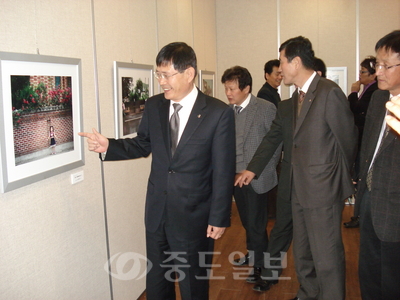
[[301, 96], [238, 109], [300, 101], [174, 125]]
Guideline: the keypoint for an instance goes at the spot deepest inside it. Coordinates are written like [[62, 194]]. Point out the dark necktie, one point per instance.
[[238, 109], [174, 125]]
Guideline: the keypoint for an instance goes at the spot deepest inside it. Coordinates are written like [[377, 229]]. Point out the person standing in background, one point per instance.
[[273, 79], [359, 105], [253, 120]]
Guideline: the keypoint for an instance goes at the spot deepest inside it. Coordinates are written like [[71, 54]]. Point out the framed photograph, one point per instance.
[[338, 75], [133, 85], [41, 115], [207, 82]]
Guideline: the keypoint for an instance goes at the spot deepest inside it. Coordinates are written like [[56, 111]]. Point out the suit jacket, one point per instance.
[[385, 192], [321, 141], [259, 116], [359, 107], [194, 187], [270, 94], [281, 131]]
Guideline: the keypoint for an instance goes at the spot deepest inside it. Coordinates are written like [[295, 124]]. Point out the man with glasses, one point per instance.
[[378, 187], [191, 137]]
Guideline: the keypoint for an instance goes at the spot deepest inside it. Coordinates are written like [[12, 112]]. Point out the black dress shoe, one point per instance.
[[254, 276], [264, 285], [354, 223], [243, 261]]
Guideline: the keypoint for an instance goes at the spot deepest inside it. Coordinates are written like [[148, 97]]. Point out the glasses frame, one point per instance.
[[384, 67], [160, 76]]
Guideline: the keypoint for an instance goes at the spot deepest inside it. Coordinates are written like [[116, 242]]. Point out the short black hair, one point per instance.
[[319, 65], [301, 47], [179, 54], [242, 75], [390, 42], [269, 66], [369, 63]]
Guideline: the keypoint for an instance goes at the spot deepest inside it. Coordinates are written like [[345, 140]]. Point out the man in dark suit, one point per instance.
[[322, 142], [189, 195], [378, 192], [273, 78], [253, 120]]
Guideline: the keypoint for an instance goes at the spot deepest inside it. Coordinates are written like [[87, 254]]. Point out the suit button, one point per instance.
[[295, 146], [165, 192]]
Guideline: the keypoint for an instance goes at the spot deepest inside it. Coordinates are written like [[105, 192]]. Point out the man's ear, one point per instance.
[[190, 73], [297, 62]]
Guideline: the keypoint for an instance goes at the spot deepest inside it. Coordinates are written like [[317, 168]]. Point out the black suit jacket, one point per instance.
[[270, 94], [194, 187], [385, 192], [359, 108]]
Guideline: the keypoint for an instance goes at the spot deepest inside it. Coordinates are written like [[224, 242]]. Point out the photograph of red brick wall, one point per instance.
[[39, 103]]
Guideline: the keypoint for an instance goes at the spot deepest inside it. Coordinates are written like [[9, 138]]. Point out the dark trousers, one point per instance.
[[379, 262], [178, 254], [253, 213], [280, 239], [318, 250]]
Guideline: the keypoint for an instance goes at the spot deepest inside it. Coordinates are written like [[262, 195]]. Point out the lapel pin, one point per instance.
[[198, 116]]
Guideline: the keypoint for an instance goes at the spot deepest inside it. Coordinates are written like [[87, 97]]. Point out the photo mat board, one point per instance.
[[207, 82], [41, 115], [339, 76], [133, 85]]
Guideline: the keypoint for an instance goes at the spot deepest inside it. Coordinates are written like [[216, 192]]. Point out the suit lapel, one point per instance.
[[308, 101], [391, 135], [196, 117], [251, 111], [164, 119]]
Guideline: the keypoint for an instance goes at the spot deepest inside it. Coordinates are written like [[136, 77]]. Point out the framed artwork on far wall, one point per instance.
[[339, 76], [41, 115], [207, 82], [133, 85]]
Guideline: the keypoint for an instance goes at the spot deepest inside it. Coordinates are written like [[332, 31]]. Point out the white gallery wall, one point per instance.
[[343, 32], [55, 238]]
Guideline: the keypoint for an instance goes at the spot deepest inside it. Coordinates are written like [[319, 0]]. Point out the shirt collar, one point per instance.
[[307, 84], [245, 102]]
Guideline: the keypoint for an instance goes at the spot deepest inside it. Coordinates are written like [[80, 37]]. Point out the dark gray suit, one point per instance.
[[322, 144], [379, 269], [186, 192], [281, 234]]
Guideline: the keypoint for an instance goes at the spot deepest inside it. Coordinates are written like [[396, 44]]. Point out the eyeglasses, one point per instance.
[[384, 67], [160, 76]]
